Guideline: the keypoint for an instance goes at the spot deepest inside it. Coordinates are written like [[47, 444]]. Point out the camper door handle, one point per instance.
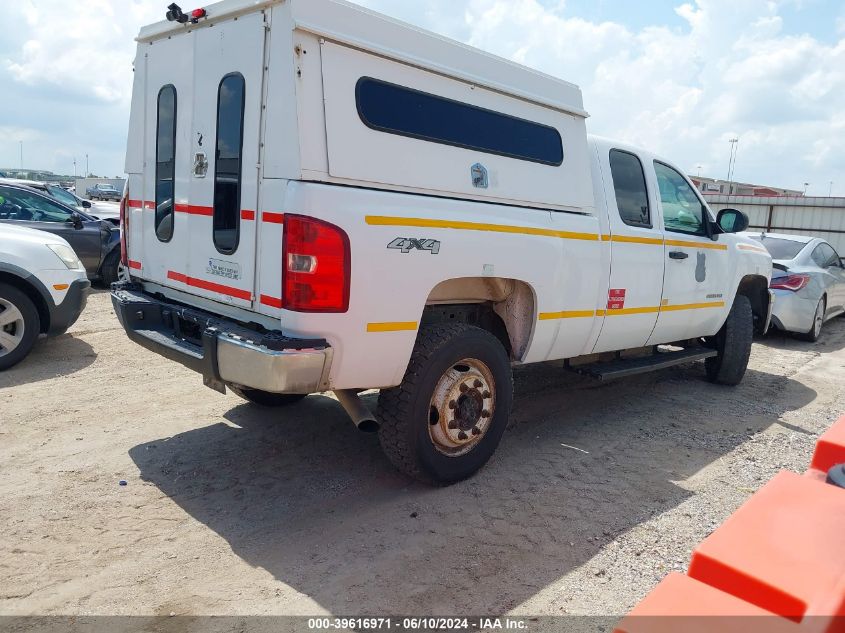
[[678, 255]]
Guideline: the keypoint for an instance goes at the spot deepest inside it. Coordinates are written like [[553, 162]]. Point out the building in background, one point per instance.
[[712, 186]]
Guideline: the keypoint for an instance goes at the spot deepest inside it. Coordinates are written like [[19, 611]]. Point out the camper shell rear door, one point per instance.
[[201, 178]]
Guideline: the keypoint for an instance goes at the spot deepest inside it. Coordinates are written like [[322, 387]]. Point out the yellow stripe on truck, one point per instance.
[[377, 220], [575, 314], [404, 326]]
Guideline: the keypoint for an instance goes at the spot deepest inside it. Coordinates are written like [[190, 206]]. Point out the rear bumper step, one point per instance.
[[641, 365], [220, 349]]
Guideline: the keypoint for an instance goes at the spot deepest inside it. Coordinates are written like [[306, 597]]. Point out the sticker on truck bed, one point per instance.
[[220, 268]]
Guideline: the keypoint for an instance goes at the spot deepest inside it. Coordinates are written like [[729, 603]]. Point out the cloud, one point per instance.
[[684, 92], [730, 68]]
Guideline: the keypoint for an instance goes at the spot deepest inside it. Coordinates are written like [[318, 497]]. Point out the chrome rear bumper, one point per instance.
[[223, 351]]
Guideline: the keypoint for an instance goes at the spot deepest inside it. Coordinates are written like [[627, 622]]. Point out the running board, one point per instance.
[[644, 364]]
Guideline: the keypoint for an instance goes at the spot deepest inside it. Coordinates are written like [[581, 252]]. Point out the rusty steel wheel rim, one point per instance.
[[462, 407]]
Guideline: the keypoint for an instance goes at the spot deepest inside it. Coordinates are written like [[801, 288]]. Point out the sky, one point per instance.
[[679, 78]]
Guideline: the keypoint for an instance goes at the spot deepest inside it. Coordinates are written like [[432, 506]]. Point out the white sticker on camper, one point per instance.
[[219, 268]]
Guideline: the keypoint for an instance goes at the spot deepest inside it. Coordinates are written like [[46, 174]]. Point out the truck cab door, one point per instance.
[[637, 261], [696, 284]]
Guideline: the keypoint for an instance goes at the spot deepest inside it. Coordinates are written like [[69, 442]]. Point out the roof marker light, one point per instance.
[[197, 14]]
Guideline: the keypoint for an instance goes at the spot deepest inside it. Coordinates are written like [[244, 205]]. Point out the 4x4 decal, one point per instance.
[[407, 244]]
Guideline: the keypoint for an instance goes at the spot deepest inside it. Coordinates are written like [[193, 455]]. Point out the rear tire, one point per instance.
[[110, 270], [818, 322], [267, 399], [446, 419], [733, 342], [20, 326]]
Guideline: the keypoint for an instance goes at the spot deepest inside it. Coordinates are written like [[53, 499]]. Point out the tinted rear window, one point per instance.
[[780, 248], [398, 110], [227, 172], [165, 163]]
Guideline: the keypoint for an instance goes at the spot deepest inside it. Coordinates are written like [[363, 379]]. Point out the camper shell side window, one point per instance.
[[228, 157], [395, 109]]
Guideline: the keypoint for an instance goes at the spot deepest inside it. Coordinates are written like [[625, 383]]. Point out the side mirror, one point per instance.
[[732, 221], [76, 220], [842, 262], [86, 204]]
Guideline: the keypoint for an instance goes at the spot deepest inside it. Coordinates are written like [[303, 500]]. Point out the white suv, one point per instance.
[[43, 289]]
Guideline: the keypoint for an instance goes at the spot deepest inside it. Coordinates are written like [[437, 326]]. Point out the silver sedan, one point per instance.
[[808, 281]]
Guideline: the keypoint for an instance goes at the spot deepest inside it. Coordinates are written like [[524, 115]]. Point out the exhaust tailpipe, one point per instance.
[[361, 415]]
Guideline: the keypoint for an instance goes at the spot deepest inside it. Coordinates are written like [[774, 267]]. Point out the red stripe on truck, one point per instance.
[[273, 302], [134, 265], [273, 218], [202, 284], [135, 204], [247, 215], [192, 209]]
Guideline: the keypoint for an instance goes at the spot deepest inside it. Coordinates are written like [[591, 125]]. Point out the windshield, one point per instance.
[[62, 196], [780, 248]]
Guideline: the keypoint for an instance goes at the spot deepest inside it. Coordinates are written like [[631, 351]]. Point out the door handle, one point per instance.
[[678, 255]]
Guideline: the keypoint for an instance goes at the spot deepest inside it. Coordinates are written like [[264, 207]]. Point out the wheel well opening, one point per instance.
[[30, 291], [756, 288], [503, 307]]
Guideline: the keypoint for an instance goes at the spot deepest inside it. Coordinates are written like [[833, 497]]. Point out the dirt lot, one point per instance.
[[231, 509]]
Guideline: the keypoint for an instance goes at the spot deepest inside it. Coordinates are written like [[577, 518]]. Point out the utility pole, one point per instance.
[[74, 166], [806, 186], [21, 155], [732, 162], [830, 190], [87, 171], [699, 171]]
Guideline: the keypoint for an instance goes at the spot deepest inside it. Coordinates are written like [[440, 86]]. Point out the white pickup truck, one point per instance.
[[321, 198]]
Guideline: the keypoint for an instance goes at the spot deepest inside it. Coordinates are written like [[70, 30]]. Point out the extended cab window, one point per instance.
[[631, 192], [683, 210], [398, 110], [165, 163], [227, 168]]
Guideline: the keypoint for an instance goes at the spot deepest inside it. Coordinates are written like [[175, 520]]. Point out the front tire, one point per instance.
[[446, 419], [20, 326], [267, 399], [733, 342]]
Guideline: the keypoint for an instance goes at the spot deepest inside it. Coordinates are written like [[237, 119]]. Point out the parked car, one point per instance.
[[465, 244], [97, 242], [53, 191], [103, 192], [808, 281], [43, 290]]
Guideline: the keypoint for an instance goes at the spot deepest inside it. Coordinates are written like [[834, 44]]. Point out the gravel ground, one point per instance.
[[595, 494]]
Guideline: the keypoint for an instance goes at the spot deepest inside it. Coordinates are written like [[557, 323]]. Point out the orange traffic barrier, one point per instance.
[[783, 551], [830, 449], [682, 604]]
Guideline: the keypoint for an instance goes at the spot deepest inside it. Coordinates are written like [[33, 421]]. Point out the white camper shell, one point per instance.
[[323, 198]]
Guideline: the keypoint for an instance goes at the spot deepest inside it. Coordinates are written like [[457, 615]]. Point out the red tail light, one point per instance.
[[315, 266], [790, 282], [124, 226]]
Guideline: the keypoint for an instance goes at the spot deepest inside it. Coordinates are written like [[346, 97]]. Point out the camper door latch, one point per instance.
[[200, 165]]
